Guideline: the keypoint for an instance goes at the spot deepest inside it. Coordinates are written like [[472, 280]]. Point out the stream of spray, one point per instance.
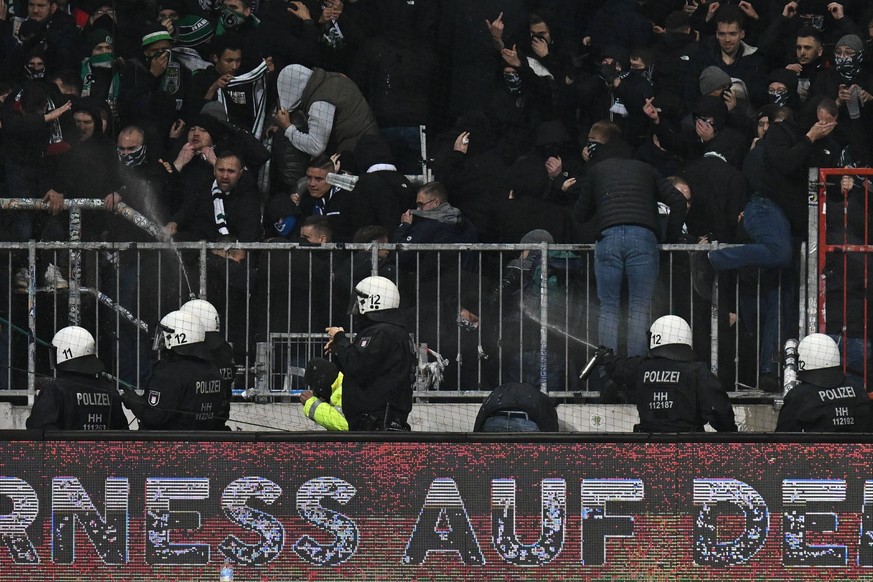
[[151, 209], [552, 327]]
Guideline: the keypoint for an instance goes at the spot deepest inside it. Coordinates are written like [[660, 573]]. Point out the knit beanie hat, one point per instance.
[[194, 31], [852, 41], [713, 78], [97, 36], [154, 33], [208, 123]]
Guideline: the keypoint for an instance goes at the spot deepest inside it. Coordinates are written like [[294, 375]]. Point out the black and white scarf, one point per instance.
[[218, 208], [245, 99]]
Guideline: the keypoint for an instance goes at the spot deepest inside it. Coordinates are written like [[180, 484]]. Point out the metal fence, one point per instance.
[[481, 314], [842, 264]]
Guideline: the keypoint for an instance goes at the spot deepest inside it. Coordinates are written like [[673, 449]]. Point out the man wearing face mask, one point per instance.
[[60, 33], [154, 88], [19, 51], [237, 17], [782, 89], [846, 82], [143, 179], [100, 78]]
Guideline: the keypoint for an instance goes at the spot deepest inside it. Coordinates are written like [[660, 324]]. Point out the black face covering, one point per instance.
[[513, 82], [848, 67], [134, 158], [33, 73], [779, 98], [592, 147], [813, 20]]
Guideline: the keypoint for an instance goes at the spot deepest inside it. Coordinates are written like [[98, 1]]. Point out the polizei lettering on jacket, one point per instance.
[[92, 399], [835, 393], [208, 387], [662, 377]]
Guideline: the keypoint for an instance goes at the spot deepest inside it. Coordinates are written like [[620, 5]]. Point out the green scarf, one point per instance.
[[230, 20], [102, 61]]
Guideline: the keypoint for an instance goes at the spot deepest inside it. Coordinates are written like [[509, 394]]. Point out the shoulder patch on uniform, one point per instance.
[[365, 341], [154, 397]]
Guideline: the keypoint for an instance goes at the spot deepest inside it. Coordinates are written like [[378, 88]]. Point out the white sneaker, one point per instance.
[[22, 277], [54, 279]]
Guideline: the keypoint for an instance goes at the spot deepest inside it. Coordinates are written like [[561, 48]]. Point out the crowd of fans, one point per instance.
[[221, 120]]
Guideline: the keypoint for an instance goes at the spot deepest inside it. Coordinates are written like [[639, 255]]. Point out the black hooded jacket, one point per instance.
[[379, 197]]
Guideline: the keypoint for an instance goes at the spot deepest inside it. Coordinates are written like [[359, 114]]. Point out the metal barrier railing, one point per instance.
[[843, 263], [275, 299]]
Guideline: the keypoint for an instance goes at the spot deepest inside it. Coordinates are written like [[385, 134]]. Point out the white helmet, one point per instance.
[[204, 310], [818, 361], [75, 351], [817, 351], [670, 337], [376, 294], [183, 333]]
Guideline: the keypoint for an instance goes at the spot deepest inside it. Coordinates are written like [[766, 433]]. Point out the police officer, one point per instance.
[[222, 354], [184, 391], [673, 392], [379, 367], [77, 399], [824, 400], [323, 402], [517, 407]]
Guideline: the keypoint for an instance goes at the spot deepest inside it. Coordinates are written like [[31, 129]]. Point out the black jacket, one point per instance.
[[183, 393], [222, 355], [626, 192], [77, 402], [242, 208], [788, 154], [810, 408], [379, 369], [519, 397], [719, 191], [674, 396], [379, 197]]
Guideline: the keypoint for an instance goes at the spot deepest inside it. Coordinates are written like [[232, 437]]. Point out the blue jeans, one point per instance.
[[630, 251], [503, 423], [767, 225]]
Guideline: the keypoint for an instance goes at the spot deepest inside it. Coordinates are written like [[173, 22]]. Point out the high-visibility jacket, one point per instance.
[[328, 414]]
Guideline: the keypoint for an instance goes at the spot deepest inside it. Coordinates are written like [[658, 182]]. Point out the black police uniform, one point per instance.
[[74, 401], [840, 407], [183, 393], [379, 370], [519, 398], [222, 356], [674, 395]]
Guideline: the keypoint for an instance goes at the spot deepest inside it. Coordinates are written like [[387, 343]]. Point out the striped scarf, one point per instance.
[[218, 208], [246, 96]]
